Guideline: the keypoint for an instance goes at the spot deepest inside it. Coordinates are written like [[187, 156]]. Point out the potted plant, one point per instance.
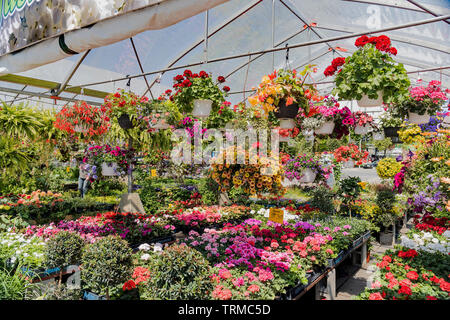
[[160, 114], [387, 216], [283, 93], [422, 102], [123, 106], [303, 168], [391, 121], [63, 250], [350, 155], [82, 118], [113, 161], [363, 122], [370, 75], [106, 263], [198, 93]]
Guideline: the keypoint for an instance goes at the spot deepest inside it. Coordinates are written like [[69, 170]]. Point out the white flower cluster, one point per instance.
[[157, 247], [45, 18], [426, 241], [16, 247]]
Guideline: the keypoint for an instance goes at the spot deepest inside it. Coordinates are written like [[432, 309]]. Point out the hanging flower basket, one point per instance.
[[366, 102], [109, 169], [417, 118], [287, 123], [308, 176], [391, 132], [349, 164], [125, 121], [361, 129], [202, 108], [286, 112], [326, 128]]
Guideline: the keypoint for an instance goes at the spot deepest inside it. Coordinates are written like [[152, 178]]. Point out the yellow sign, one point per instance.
[[276, 215], [154, 174]]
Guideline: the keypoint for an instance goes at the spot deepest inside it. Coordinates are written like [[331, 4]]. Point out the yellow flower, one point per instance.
[[436, 159], [253, 100], [447, 162], [363, 184]]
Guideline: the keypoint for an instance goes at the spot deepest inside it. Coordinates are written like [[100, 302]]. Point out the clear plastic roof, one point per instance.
[[243, 26]]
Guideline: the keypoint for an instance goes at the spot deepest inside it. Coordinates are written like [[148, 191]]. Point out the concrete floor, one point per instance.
[[368, 175], [363, 277]]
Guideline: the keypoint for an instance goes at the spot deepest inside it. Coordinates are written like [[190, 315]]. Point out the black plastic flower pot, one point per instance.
[[391, 132], [286, 112], [125, 121]]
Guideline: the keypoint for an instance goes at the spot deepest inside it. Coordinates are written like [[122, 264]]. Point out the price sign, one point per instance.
[[276, 215], [153, 172]]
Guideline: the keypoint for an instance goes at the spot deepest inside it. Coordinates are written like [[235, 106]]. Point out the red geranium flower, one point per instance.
[[362, 41], [203, 74], [129, 285], [187, 73], [375, 296], [221, 79], [179, 78], [412, 275], [329, 71], [226, 88], [405, 290]]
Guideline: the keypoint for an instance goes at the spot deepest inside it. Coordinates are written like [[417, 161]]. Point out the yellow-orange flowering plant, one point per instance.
[[259, 174], [284, 88]]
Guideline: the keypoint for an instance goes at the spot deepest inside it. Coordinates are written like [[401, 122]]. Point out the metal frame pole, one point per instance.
[[71, 73], [140, 66]]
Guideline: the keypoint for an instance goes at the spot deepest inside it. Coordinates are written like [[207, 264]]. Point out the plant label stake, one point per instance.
[[276, 215]]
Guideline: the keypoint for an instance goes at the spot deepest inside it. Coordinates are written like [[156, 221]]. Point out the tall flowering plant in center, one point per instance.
[[369, 71]]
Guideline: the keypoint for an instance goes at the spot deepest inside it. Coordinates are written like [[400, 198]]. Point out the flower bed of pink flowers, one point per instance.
[[133, 227], [260, 259]]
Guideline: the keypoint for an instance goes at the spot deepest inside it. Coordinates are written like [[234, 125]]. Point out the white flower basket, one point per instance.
[[80, 128], [202, 108], [361, 129], [417, 118], [349, 164], [366, 102], [378, 136], [287, 123], [109, 169], [326, 128], [308, 176]]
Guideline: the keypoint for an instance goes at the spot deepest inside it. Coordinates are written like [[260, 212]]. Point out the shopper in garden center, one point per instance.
[[83, 177]]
